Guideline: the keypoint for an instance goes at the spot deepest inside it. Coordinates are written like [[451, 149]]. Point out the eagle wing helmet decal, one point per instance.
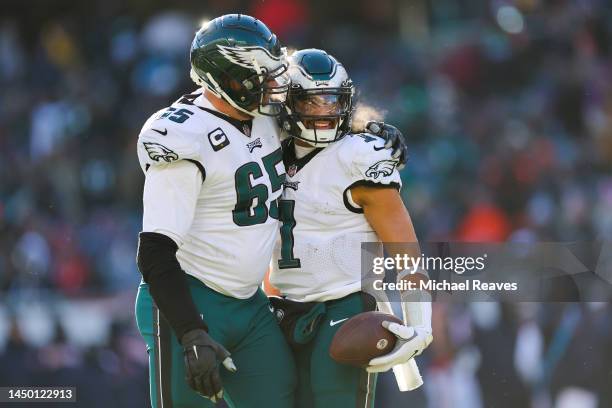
[[384, 167], [246, 56], [157, 151]]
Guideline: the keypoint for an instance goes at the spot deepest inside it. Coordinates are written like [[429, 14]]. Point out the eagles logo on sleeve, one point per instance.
[[383, 167], [158, 151]]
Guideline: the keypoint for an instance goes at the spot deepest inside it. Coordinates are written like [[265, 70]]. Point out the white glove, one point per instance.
[[412, 337], [411, 341]]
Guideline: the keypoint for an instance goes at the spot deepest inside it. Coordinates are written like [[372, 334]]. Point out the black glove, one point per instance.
[[202, 358], [394, 140]]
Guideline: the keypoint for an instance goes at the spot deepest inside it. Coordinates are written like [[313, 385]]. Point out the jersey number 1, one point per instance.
[[287, 259]]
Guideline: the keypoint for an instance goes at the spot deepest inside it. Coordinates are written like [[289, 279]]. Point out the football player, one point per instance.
[[213, 174], [341, 189]]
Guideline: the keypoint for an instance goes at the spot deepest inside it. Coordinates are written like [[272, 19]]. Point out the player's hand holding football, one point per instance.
[[411, 341], [202, 358]]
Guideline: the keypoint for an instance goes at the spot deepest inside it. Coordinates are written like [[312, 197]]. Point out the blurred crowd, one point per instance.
[[507, 108]]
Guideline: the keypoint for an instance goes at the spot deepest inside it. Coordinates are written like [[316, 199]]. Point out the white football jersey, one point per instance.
[[224, 216], [318, 257]]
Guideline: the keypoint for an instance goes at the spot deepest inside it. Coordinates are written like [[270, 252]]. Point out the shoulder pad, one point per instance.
[[365, 138], [367, 158], [363, 146], [162, 141]]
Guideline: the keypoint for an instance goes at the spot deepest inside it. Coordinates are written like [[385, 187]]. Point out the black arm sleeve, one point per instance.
[[167, 282]]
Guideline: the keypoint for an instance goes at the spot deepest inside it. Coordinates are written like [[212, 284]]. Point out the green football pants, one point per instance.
[[245, 327], [323, 383]]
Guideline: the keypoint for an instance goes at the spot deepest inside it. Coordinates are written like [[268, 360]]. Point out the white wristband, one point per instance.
[[416, 304]]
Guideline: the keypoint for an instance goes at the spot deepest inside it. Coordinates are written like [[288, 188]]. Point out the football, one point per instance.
[[362, 338]]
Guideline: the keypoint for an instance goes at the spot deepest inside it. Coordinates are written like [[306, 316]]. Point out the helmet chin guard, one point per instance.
[[318, 138]]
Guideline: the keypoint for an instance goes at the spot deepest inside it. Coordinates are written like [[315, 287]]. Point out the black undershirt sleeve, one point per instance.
[[167, 282]]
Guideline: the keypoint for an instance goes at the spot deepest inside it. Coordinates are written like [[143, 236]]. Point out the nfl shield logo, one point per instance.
[[292, 170], [246, 129]]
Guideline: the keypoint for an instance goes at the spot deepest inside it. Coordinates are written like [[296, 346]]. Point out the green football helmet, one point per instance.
[[238, 59]]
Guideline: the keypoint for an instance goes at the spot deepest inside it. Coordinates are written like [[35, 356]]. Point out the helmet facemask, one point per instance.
[[319, 116], [271, 89]]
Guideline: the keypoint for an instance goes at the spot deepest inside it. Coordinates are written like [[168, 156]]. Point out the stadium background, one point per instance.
[[507, 107]]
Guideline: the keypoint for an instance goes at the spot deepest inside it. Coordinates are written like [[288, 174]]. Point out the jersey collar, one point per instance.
[[289, 158], [243, 126]]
